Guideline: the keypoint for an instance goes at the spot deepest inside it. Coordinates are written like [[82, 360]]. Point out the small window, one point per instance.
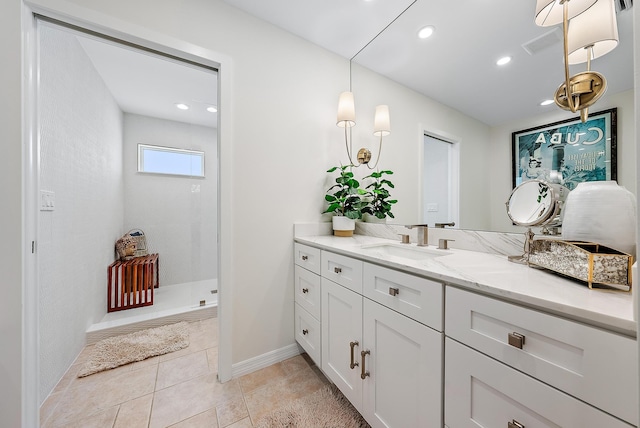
[[166, 160]]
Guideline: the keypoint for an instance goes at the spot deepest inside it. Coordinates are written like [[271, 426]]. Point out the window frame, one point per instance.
[[142, 147]]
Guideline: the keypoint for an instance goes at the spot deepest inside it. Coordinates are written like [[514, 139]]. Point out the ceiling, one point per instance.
[[456, 66], [148, 84]]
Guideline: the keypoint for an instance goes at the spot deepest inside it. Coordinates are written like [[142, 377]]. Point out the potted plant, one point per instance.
[[345, 201], [379, 204]]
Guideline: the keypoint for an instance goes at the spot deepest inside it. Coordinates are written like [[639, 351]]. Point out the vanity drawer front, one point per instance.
[[594, 365], [482, 392], [308, 333], [418, 298], [342, 270], [308, 290], [307, 257]]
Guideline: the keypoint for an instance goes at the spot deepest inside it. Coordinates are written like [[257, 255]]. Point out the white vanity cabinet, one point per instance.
[[511, 366], [307, 300], [386, 363]]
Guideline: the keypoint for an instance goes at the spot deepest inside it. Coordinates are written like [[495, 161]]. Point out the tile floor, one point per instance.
[[179, 389]]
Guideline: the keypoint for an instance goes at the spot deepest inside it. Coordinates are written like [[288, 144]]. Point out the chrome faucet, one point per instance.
[[423, 234]]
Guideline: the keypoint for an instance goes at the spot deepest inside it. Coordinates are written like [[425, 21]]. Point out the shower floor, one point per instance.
[[172, 303]]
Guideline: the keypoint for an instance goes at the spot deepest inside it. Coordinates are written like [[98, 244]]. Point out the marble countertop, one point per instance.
[[494, 275]]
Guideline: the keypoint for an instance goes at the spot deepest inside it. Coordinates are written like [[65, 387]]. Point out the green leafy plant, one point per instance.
[[379, 204], [345, 197]]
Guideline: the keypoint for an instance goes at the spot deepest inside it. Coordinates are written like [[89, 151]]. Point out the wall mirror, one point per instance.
[[484, 173]]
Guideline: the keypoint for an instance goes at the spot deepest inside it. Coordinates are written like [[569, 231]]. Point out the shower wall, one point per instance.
[[81, 162], [177, 214]]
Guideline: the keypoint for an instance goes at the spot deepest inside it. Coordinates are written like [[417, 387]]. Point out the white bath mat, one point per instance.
[[128, 348]]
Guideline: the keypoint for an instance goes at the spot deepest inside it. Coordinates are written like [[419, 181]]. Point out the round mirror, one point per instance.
[[537, 203]]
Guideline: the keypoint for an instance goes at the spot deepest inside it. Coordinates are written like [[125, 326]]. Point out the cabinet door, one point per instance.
[[404, 386], [342, 325], [482, 392]]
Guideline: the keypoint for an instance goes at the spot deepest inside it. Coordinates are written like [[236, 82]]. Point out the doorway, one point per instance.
[[91, 122], [440, 182]]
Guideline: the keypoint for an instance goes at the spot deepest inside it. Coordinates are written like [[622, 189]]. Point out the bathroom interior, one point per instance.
[[104, 196]]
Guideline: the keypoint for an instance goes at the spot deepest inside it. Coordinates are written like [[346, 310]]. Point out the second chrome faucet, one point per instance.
[[423, 234]]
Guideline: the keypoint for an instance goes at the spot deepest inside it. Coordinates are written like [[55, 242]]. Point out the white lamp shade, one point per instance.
[[346, 110], [598, 27], [381, 121], [549, 12]]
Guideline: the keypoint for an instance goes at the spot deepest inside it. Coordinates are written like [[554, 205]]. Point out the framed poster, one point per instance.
[[567, 152]]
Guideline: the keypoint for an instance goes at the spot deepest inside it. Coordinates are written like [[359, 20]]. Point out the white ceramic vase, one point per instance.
[[602, 212], [343, 226]]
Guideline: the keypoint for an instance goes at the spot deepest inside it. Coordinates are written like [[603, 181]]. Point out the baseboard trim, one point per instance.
[[265, 360]]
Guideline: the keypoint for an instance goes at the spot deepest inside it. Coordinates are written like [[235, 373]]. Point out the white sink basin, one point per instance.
[[405, 251]]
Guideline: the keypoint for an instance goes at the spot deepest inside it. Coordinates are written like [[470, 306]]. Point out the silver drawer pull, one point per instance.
[[305, 332], [305, 290], [514, 424], [337, 269], [516, 340], [305, 257], [394, 291]]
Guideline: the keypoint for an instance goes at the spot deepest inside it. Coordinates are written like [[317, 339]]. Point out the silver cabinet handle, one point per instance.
[[353, 362], [305, 257], [394, 291], [337, 269], [515, 424], [516, 340]]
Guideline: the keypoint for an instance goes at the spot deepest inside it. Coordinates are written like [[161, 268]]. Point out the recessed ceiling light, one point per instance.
[[426, 32], [182, 106], [546, 102], [504, 60], [212, 109]]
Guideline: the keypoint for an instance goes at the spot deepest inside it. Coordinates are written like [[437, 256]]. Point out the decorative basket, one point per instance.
[[585, 261], [141, 242]]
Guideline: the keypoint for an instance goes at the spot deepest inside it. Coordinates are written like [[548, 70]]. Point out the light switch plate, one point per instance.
[[47, 200]]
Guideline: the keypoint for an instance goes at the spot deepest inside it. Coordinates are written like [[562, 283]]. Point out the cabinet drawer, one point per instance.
[[596, 366], [482, 392], [418, 298], [342, 270], [308, 290], [308, 333], [307, 257]]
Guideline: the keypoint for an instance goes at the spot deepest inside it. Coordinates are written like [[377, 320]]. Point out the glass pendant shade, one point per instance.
[[549, 12], [346, 110], [381, 121], [595, 27]]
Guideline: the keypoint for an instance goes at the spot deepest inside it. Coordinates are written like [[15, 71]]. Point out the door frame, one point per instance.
[[455, 171], [76, 15]]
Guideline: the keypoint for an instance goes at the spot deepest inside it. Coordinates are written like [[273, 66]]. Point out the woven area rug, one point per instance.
[[325, 408], [120, 350]]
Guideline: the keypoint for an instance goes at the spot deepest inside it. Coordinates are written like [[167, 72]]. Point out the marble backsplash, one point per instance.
[[502, 243]]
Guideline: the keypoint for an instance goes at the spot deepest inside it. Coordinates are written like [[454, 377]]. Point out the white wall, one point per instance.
[[500, 170], [81, 161], [177, 214]]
